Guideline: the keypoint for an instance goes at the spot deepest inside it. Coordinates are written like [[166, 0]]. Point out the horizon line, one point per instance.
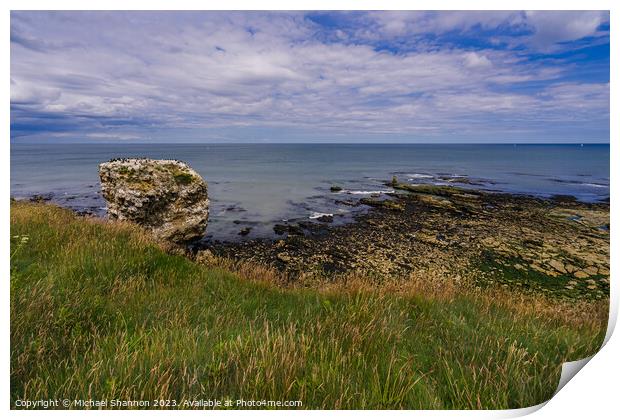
[[312, 143]]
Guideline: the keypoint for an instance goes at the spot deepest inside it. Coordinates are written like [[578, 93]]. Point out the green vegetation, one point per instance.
[[138, 182], [440, 190], [99, 311], [388, 204], [134, 178], [515, 271], [125, 170], [180, 176], [183, 178]]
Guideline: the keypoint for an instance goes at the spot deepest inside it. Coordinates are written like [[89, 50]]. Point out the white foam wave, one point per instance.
[[414, 176], [316, 215], [361, 192]]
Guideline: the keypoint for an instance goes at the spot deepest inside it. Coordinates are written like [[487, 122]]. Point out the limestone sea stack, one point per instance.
[[167, 197]]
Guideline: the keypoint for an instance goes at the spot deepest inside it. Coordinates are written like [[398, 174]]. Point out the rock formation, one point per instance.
[[167, 197]]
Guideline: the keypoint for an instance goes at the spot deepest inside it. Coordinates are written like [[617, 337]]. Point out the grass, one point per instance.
[[100, 311]]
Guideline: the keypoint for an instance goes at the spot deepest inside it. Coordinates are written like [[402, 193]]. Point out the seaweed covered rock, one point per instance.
[[167, 197]]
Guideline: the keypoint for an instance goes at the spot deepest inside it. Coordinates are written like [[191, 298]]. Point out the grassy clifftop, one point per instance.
[[99, 311]]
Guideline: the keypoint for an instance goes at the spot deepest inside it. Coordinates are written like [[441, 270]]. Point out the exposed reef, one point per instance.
[[557, 246]]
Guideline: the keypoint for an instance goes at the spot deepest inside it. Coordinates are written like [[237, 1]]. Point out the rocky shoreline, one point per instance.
[[556, 246]]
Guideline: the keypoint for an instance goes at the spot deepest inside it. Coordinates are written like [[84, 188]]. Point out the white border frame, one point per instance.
[[592, 393]]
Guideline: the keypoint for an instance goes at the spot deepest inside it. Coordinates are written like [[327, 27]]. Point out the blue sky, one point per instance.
[[431, 77]]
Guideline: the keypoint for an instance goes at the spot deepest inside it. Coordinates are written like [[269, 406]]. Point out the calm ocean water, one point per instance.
[[259, 185]]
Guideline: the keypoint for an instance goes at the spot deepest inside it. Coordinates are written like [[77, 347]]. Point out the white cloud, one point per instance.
[[473, 60], [225, 70], [542, 29], [29, 93], [551, 28]]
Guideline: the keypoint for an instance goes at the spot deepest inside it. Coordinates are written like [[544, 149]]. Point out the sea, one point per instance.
[[260, 185]]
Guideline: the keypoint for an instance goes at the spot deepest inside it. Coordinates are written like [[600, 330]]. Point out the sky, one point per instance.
[[379, 77]]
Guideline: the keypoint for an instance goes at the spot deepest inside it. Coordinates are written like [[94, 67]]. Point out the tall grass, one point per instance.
[[100, 311]]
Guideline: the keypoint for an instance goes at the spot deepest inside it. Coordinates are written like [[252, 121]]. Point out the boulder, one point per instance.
[[166, 197], [205, 257], [245, 231], [326, 218]]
